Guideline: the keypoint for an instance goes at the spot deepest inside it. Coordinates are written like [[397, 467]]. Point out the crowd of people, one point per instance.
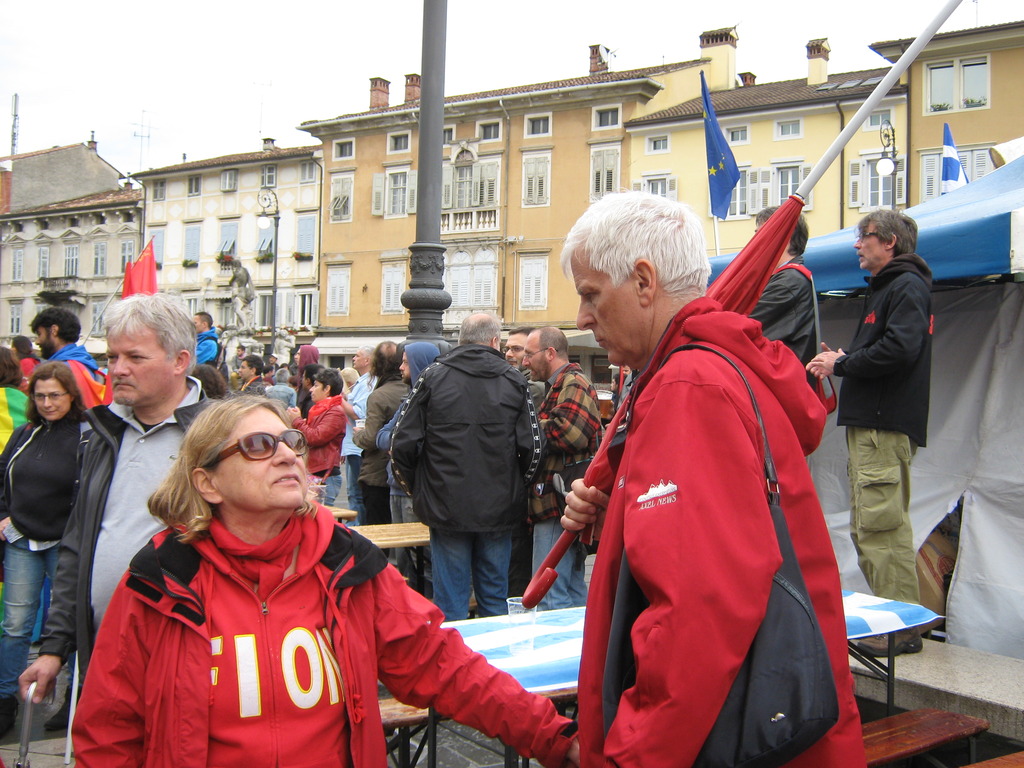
[[177, 500]]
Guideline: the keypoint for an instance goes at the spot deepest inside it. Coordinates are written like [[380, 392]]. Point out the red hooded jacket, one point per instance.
[[688, 506]]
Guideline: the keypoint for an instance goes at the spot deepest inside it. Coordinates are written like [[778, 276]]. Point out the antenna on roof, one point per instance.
[[606, 53], [143, 136], [14, 125]]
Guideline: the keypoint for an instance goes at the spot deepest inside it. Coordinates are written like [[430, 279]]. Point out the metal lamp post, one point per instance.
[[267, 201], [886, 166]]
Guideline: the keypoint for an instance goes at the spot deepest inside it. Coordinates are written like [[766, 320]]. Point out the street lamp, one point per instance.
[[886, 166], [267, 201]]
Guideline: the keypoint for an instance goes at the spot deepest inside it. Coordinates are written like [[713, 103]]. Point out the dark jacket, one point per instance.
[[39, 477], [887, 369], [786, 310], [69, 624], [468, 442], [381, 405]]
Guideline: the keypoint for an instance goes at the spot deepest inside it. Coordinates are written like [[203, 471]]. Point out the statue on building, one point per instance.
[[243, 294], [283, 344]]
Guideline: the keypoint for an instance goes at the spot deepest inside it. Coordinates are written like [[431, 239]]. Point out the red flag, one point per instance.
[[739, 287], [140, 277]]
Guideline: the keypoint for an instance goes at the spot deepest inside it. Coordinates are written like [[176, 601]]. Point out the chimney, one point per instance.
[[719, 47], [92, 141], [817, 61], [747, 78], [268, 144], [379, 93], [598, 59], [412, 88]]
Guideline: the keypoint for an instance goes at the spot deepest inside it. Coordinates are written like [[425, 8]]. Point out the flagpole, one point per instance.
[[894, 74], [120, 285], [714, 218]]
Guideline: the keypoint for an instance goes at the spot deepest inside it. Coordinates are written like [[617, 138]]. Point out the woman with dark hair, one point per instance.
[[26, 355], [386, 398], [38, 481], [324, 429], [296, 616], [214, 386], [13, 401]]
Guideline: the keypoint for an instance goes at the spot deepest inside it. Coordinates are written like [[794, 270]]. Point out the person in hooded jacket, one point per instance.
[[676, 495], [254, 629], [308, 356], [38, 482], [883, 404], [466, 445], [57, 329]]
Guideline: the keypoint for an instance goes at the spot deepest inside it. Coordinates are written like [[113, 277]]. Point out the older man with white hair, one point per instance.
[[678, 496]]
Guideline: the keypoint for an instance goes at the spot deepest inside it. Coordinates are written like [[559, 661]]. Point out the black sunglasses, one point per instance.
[[258, 446]]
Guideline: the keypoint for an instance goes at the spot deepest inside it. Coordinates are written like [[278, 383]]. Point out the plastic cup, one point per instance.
[[521, 620]]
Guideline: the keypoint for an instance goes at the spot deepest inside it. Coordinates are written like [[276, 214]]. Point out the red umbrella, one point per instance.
[[739, 287]]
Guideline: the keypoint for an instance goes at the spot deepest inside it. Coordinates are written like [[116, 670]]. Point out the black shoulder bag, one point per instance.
[[784, 698]]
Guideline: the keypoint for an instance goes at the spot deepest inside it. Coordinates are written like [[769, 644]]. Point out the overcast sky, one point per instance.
[[156, 81]]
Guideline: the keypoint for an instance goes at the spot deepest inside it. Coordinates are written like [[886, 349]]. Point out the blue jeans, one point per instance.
[[332, 487], [353, 464], [24, 572], [569, 589], [458, 558]]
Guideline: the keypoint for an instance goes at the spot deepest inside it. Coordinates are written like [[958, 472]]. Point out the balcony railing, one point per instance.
[[475, 220]]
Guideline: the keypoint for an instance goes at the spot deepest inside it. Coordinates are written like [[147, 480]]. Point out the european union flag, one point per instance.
[[722, 171]]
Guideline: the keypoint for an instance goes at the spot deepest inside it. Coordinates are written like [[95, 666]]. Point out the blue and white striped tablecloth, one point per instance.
[[868, 615]]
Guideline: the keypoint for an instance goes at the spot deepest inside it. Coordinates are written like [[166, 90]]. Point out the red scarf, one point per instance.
[[324, 405], [263, 564]]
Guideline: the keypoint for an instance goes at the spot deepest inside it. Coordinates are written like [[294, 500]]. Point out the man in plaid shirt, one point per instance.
[[571, 420]]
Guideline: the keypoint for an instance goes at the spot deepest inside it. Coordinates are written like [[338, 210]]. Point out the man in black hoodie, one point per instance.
[[884, 406]]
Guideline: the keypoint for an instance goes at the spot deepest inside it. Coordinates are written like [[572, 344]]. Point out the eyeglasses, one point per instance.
[[514, 349], [866, 235], [531, 354], [42, 397], [262, 445]]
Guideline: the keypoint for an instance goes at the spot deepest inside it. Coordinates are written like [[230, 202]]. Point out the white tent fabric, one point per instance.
[[975, 448]]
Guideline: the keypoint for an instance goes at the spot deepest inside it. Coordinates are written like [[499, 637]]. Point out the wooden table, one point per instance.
[[398, 535], [343, 514]]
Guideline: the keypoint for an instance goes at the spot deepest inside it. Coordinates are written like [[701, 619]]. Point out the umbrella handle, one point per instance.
[[546, 574]]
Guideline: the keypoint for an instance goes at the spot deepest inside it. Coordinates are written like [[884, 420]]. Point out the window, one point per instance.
[[976, 162], [194, 305], [338, 284], [228, 238], [195, 186], [44, 261], [738, 135], [538, 125], [229, 180], [305, 236], [604, 172], [398, 191], [533, 282], [344, 149], [657, 145], [788, 178], [268, 176], [341, 197], [876, 118], [18, 265], [869, 190], [127, 253], [398, 142], [265, 242], [665, 186], [158, 246], [788, 129], [193, 238], [394, 193], [159, 190], [739, 201], [96, 310], [303, 310], [71, 260], [15, 327], [471, 279], [99, 259], [606, 117], [307, 172], [490, 131], [957, 84], [536, 179], [392, 286], [448, 134]]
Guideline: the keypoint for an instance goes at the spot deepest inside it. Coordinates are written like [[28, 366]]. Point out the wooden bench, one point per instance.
[[1016, 760], [918, 731]]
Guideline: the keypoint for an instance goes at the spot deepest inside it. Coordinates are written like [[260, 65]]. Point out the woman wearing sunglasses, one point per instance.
[[253, 632], [38, 480]]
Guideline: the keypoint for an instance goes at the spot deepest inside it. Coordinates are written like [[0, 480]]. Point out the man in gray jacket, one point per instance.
[[466, 445], [132, 443]]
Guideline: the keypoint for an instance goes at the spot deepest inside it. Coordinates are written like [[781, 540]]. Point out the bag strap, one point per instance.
[[770, 473]]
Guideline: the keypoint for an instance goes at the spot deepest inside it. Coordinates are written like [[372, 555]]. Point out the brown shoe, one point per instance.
[[906, 641]]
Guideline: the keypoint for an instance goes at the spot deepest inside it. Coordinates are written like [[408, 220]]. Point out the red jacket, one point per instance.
[[146, 700], [703, 552], [324, 429]]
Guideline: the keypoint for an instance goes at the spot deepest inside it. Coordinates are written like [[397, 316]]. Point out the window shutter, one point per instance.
[[377, 204], [410, 192], [673, 188], [930, 165], [855, 185], [446, 186], [900, 180], [306, 234], [530, 180], [483, 285], [192, 243], [981, 165], [638, 186], [158, 244], [489, 193], [805, 171], [475, 194]]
